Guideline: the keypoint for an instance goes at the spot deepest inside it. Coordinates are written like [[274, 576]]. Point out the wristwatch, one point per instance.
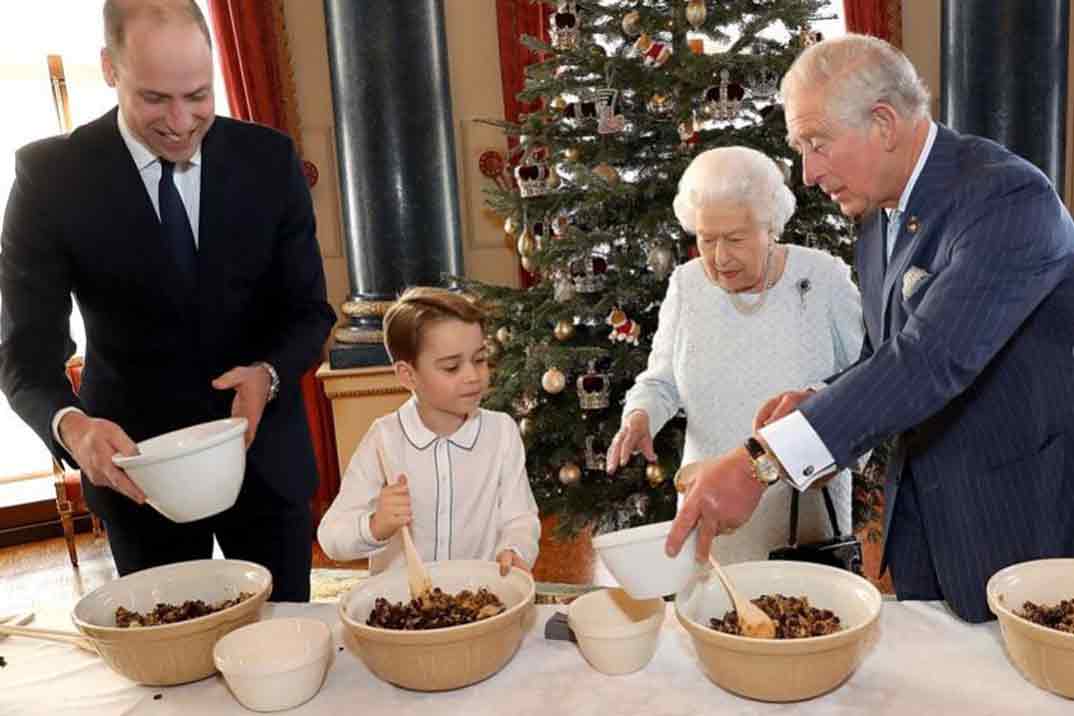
[[765, 468], [274, 380]]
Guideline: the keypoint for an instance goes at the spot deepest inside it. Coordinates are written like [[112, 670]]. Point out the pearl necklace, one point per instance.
[[746, 308]]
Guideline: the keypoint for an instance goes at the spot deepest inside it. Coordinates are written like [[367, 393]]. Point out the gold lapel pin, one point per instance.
[[912, 224]]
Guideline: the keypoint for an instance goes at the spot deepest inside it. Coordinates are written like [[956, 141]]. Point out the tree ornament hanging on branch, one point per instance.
[[608, 122], [570, 473], [563, 330], [553, 381], [655, 474], [532, 173], [654, 53], [563, 27], [689, 135], [695, 13], [526, 427], [562, 289], [661, 106], [632, 23], [623, 328], [608, 173], [527, 243], [723, 102], [594, 389], [660, 261], [503, 335]]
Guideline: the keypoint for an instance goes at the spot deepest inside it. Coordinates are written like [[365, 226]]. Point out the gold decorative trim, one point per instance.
[[288, 88], [356, 336], [366, 309], [364, 392]]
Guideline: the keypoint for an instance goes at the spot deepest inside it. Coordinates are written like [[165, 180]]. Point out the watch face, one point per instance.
[[767, 470]]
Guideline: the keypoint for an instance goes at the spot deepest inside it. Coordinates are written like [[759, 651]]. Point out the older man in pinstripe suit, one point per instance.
[[966, 265]]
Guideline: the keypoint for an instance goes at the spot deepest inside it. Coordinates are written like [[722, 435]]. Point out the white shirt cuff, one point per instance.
[[365, 530], [56, 424], [799, 449]]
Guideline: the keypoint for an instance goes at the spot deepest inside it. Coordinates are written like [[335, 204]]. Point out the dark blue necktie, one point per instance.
[[175, 226]]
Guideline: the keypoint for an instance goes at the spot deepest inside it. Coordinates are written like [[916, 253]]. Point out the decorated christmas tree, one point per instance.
[[628, 92]]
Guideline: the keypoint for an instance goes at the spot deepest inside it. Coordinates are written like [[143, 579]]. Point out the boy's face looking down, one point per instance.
[[449, 376]]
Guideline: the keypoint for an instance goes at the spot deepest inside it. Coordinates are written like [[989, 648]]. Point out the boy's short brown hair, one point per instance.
[[419, 307]]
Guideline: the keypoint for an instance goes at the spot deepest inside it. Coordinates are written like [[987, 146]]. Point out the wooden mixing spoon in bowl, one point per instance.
[[752, 621], [417, 575]]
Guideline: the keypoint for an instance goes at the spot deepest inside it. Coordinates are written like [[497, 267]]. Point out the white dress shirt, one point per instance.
[[792, 439], [469, 492], [187, 178]]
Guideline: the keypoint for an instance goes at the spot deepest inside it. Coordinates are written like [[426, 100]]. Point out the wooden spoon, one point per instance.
[[64, 637], [751, 619], [417, 575]]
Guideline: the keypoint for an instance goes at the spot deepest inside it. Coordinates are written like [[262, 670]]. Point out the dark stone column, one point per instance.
[[396, 150], [1004, 76]]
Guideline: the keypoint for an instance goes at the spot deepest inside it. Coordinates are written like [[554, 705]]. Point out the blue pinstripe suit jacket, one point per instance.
[[973, 371]]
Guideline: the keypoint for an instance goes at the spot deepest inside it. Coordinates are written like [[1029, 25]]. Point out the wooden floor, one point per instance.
[[39, 575]]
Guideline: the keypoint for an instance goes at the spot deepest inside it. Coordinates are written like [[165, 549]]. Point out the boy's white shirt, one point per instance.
[[469, 492]]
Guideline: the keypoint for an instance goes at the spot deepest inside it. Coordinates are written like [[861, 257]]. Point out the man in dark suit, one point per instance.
[[966, 265], [188, 241]]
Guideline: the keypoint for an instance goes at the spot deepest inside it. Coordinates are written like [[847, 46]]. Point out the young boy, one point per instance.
[[460, 479]]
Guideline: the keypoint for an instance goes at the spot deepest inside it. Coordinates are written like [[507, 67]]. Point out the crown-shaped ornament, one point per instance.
[[532, 174], [588, 273], [723, 101], [764, 85], [563, 26], [594, 389]]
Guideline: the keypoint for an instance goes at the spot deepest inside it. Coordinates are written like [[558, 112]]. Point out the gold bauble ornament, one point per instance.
[[527, 244], [570, 473], [655, 474], [553, 381], [559, 104], [493, 348], [526, 426], [632, 23], [553, 180], [529, 264], [503, 335], [572, 154], [695, 13], [564, 330], [608, 173], [510, 225]]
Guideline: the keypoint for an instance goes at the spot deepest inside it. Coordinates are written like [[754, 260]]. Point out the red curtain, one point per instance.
[[879, 18], [254, 60], [516, 18]]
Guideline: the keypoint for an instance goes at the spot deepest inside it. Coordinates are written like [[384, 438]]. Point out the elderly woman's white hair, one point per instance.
[[858, 71], [735, 174]]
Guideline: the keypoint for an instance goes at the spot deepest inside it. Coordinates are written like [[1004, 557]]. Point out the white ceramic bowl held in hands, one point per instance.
[[192, 473], [637, 560], [1045, 656], [275, 664], [616, 634]]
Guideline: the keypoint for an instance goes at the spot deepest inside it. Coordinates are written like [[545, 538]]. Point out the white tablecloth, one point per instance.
[[925, 662]]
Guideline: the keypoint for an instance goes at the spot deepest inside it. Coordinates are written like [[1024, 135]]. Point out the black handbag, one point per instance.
[[841, 551]]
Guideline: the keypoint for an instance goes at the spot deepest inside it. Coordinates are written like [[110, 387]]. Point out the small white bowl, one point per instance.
[[616, 634], [192, 473], [1043, 655], [275, 664], [637, 560]]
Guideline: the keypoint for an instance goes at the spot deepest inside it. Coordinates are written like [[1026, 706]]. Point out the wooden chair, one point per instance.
[[68, 483]]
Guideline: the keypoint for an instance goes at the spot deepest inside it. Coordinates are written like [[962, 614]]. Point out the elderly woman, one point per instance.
[[746, 320]]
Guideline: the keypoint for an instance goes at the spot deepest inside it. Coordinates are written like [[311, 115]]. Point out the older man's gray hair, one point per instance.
[[857, 71], [739, 175]]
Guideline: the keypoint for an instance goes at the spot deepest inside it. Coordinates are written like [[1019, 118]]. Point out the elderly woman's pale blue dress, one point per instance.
[[718, 365]]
